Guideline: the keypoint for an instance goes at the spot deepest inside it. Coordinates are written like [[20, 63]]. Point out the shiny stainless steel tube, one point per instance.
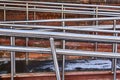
[[61, 51], [99, 28], [60, 35], [53, 3], [55, 60], [66, 20]]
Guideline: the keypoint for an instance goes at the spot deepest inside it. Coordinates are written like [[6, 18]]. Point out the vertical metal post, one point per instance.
[[53, 50], [96, 14], [94, 17], [27, 54], [27, 39], [95, 33], [27, 11], [96, 44], [13, 67], [4, 20], [34, 13], [114, 61], [63, 45], [4, 12]]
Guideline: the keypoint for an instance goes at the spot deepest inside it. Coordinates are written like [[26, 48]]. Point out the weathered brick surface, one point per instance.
[[19, 15], [84, 1]]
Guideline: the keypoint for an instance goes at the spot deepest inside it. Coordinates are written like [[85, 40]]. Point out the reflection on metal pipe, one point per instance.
[[13, 67], [54, 55], [61, 51], [114, 51], [27, 39], [63, 45], [60, 35]]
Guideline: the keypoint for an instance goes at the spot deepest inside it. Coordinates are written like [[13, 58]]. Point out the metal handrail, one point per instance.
[[54, 3], [99, 28], [60, 51], [60, 35], [65, 11], [62, 8], [68, 8], [59, 7], [65, 20]]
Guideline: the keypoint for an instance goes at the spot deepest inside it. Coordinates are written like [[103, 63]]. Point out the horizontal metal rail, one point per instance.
[[65, 20], [99, 28], [53, 3], [61, 51], [113, 14], [57, 7], [60, 35], [24, 26]]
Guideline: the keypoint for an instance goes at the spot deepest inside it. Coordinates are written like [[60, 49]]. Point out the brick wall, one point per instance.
[[18, 15], [84, 1]]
